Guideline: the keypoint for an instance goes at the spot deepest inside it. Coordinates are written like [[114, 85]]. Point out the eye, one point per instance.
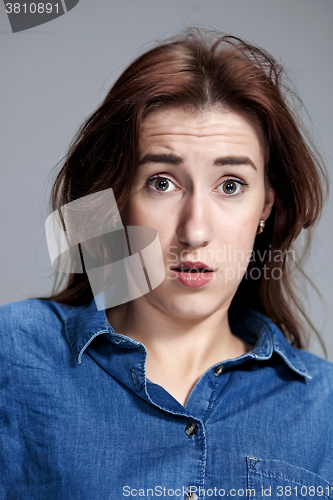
[[160, 184], [232, 187]]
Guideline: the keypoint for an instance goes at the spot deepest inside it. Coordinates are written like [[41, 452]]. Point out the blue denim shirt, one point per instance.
[[79, 419]]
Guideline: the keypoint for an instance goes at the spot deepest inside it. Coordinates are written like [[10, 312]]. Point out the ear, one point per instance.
[[269, 202]]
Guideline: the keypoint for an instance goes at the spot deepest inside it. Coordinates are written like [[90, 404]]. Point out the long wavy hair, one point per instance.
[[201, 69]]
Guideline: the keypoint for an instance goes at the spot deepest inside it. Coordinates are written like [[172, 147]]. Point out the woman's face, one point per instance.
[[200, 184]]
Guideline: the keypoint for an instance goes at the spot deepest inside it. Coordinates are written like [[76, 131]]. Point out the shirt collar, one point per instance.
[[258, 329], [84, 323]]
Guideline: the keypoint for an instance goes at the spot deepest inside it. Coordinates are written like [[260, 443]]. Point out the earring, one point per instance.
[[261, 226]]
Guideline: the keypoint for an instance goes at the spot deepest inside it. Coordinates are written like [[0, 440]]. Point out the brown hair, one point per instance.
[[201, 69]]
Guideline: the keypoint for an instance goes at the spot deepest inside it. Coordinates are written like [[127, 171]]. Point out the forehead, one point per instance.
[[181, 127]]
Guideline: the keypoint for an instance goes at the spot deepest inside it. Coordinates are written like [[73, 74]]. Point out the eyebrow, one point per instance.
[[176, 160]]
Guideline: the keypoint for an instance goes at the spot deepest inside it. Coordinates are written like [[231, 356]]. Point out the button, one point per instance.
[[117, 340], [191, 429], [218, 370], [191, 496]]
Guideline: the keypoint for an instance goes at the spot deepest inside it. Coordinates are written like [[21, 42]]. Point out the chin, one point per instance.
[[189, 308]]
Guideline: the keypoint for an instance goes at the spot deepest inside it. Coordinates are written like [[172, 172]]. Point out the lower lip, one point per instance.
[[193, 280]]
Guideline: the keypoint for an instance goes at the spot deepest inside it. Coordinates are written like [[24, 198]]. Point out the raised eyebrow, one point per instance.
[[234, 160], [176, 160], [161, 158]]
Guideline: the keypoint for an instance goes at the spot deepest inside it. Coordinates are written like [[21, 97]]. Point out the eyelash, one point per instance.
[[156, 176]]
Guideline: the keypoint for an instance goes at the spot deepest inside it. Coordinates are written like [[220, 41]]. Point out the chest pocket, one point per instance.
[[274, 479]]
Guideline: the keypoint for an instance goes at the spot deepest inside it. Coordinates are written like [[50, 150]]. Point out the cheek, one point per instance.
[[248, 218], [133, 214], [248, 224], [239, 225], [138, 214], [238, 236]]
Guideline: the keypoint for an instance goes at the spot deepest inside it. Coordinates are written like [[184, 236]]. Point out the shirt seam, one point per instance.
[[79, 357]]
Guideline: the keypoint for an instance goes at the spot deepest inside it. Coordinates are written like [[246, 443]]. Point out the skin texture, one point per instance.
[[186, 330]]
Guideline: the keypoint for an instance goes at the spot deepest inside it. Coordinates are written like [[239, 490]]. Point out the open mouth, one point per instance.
[[193, 276], [192, 270]]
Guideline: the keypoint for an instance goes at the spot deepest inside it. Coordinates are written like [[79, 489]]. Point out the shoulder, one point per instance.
[[32, 315], [31, 326], [316, 392], [27, 311], [314, 367], [320, 369]]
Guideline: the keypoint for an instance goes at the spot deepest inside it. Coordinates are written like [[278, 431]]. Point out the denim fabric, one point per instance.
[[79, 419]]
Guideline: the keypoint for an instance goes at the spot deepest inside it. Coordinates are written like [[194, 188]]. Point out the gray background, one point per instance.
[[55, 75]]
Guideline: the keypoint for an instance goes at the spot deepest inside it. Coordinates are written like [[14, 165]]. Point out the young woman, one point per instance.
[[200, 387]]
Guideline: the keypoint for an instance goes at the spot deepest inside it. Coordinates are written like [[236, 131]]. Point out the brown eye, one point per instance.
[[161, 184], [232, 187], [229, 187]]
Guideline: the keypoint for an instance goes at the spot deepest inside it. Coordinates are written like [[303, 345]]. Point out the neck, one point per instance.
[[179, 349]]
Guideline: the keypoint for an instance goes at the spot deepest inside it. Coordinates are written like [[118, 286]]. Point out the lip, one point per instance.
[[193, 265], [193, 280]]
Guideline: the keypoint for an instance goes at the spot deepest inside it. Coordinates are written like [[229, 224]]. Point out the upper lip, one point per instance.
[[193, 265]]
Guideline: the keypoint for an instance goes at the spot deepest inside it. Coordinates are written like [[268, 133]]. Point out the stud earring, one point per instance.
[[261, 226]]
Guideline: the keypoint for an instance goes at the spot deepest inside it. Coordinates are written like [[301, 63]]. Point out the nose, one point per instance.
[[194, 228]]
